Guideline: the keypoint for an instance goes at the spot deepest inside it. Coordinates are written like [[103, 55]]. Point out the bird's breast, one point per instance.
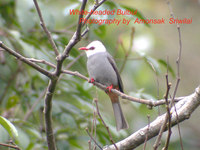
[[101, 70]]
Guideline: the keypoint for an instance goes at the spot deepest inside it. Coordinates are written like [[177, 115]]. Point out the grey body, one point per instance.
[[102, 68]]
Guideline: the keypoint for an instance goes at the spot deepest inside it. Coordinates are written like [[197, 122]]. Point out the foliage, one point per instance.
[[21, 86]]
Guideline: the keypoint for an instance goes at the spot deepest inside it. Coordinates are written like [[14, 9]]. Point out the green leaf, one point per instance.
[[12, 101], [25, 21], [164, 63], [74, 142], [138, 14], [68, 119], [63, 144], [111, 4], [153, 63], [34, 133], [100, 31], [87, 86], [23, 139], [9, 127]]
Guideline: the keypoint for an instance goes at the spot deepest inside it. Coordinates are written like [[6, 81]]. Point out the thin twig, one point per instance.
[[93, 127], [92, 10], [45, 29], [168, 116], [25, 60], [95, 119], [93, 139], [85, 31], [178, 61], [127, 53], [10, 146], [89, 144], [76, 37], [179, 129], [107, 128], [168, 113], [41, 61]]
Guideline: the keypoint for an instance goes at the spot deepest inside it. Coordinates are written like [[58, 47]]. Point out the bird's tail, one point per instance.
[[119, 117]]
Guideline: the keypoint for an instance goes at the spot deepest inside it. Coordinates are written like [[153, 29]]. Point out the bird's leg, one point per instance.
[[91, 80], [110, 87]]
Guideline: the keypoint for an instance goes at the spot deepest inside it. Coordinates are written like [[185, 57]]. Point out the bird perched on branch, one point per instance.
[[102, 68]]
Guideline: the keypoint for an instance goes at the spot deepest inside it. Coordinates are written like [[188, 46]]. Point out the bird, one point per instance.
[[103, 69]]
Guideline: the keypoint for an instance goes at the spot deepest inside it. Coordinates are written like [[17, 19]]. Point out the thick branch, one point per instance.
[[47, 113], [25, 60], [52, 84], [58, 68], [184, 109]]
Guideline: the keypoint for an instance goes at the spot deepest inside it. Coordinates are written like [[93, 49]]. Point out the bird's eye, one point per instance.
[[92, 48]]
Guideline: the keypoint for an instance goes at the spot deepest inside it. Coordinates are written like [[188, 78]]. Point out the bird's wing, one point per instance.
[[112, 62]]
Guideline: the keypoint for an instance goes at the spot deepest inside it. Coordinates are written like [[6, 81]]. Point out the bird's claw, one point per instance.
[[91, 80], [110, 87]]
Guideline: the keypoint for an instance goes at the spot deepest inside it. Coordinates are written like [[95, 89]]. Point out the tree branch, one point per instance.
[[93, 9], [47, 113], [56, 74], [25, 60], [42, 62], [127, 53], [105, 125], [184, 109], [167, 117], [75, 37], [93, 139], [151, 103], [10, 146], [45, 29], [79, 26]]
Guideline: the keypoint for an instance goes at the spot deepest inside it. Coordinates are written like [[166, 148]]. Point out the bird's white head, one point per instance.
[[93, 48]]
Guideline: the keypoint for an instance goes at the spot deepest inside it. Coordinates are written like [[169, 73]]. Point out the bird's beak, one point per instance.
[[83, 48]]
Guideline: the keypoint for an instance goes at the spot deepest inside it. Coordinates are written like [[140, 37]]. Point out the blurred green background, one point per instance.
[[143, 74]]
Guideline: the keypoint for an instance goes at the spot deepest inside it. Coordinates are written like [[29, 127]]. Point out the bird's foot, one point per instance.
[[91, 80], [110, 87]]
